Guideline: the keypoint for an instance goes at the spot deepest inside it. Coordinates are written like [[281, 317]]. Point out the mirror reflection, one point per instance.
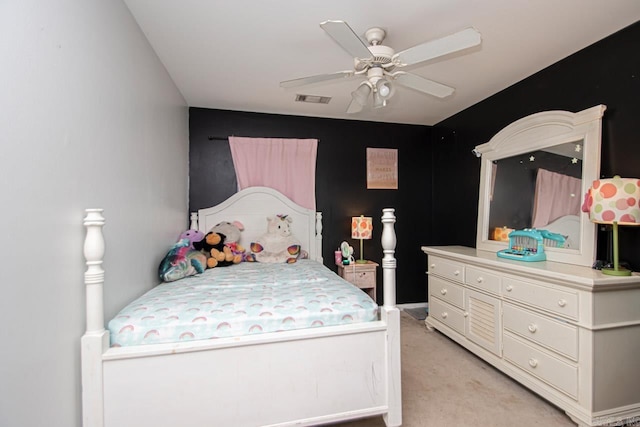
[[566, 146], [539, 189]]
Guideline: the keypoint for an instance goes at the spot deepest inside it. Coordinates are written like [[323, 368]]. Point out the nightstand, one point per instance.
[[361, 275]]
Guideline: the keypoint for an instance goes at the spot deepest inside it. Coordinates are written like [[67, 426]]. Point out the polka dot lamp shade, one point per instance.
[[361, 227], [614, 200]]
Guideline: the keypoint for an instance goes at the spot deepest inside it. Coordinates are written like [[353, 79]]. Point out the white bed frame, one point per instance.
[[300, 377]]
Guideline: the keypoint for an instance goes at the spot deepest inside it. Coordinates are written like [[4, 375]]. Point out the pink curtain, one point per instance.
[[286, 165], [556, 195]]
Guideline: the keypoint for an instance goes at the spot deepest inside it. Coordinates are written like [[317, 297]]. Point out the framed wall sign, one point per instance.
[[382, 168]]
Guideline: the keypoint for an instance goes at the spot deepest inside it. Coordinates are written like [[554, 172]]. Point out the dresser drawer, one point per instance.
[[546, 367], [447, 314], [446, 291], [448, 269], [564, 303], [554, 335], [482, 279]]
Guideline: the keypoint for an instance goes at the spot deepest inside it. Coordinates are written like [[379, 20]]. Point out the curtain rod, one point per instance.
[[226, 138]]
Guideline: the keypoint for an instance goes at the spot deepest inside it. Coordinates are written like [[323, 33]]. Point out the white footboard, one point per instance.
[[299, 377]]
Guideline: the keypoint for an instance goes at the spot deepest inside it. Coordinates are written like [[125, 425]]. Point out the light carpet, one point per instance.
[[419, 313], [445, 385]]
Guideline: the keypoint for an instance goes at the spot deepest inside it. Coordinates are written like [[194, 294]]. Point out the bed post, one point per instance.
[[389, 261], [319, 237], [96, 339], [194, 221], [391, 315]]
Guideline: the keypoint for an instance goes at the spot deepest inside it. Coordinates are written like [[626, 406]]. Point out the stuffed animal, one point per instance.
[[213, 247], [193, 236], [221, 245], [181, 261], [278, 244], [232, 232]]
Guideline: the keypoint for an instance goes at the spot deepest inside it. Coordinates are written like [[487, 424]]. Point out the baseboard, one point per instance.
[[412, 305]]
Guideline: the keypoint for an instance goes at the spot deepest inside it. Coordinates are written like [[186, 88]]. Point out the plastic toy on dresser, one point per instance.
[[528, 244]]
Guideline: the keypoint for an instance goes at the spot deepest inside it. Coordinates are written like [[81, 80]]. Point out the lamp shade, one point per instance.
[[614, 200], [361, 227], [361, 94]]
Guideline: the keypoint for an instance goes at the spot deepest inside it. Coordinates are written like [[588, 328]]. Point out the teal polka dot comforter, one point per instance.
[[242, 299]]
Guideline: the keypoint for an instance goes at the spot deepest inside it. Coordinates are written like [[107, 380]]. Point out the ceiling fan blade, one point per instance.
[[342, 33], [316, 79], [432, 49], [423, 85]]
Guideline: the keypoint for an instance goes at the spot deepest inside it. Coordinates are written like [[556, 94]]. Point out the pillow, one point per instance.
[[181, 262]]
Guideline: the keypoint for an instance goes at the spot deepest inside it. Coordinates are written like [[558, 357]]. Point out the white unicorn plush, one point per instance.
[[278, 244]]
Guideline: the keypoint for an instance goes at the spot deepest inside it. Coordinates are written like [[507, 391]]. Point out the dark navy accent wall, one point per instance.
[[341, 186], [437, 199], [607, 72]]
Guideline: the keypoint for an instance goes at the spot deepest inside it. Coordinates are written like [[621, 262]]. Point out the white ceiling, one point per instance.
[[232, 54]]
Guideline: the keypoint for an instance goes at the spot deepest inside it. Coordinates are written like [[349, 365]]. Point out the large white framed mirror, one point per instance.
[[534, 174]]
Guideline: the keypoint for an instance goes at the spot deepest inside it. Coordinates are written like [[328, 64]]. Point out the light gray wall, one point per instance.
[[89, 117]]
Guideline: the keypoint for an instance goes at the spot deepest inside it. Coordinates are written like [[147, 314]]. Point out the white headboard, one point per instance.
[[252, 206]]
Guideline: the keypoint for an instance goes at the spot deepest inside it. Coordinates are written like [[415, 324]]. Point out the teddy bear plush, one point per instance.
[[278, 244], [221, 245]]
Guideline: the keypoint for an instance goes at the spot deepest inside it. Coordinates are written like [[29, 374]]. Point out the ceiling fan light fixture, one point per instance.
[[361, 94], [384, 89], [379, 63], [378, 101]]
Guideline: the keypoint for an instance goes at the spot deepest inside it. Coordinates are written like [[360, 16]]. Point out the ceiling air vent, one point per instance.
[[314, 99]]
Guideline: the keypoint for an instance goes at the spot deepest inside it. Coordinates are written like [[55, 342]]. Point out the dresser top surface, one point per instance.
[[580, 276]]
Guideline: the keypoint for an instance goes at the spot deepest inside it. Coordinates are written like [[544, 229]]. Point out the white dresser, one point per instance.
[[568, 333]]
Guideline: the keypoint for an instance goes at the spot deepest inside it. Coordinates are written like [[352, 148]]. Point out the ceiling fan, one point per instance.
[[379, 64]]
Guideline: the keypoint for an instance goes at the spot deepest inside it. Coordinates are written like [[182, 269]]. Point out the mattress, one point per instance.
[[242, 299]]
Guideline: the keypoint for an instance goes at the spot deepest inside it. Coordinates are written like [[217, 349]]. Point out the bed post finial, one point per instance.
[[194, 221], [94, 275], [389, 261]]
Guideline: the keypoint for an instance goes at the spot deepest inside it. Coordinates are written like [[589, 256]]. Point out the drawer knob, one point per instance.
[[533, 362], [465, 314], [562, 302], [444, 315], [443, 291], [533, 328], [456, 273], [479, 279], [433, 266], [509, 288]]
